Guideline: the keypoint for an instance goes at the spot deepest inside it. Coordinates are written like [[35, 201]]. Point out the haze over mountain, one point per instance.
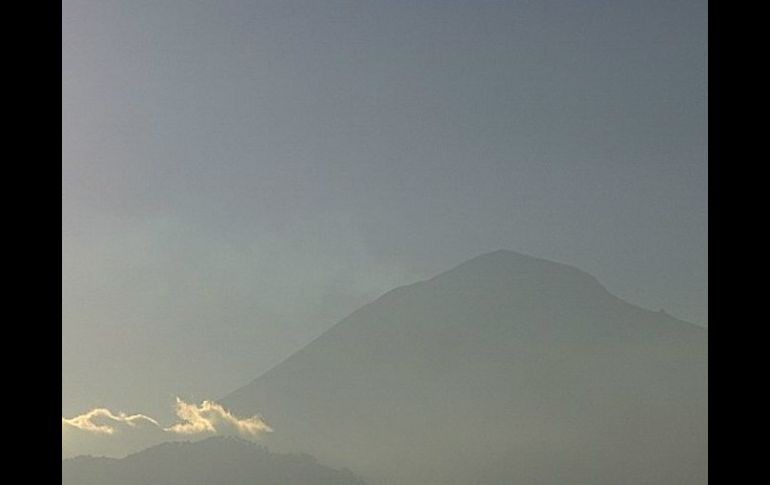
[[240, 175], [219, 460], [505, 369]]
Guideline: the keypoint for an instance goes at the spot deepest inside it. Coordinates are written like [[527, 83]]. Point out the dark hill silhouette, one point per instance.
[[226, 461], [506, 369]]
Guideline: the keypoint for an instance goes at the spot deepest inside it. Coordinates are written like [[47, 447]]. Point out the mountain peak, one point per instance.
[[542, 364], [509, 259], [510, 270]]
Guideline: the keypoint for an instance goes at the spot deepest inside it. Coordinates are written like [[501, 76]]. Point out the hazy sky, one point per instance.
[[239, 175]]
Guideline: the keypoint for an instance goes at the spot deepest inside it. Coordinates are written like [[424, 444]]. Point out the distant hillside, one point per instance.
[[507, 369], [214, 461]]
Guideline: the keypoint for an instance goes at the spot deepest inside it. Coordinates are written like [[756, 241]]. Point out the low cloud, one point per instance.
[[104, 421], [101, 431], [210, 417]]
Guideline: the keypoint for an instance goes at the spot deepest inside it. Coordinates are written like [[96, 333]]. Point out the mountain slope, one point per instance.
[[506, 369], [215, 460]]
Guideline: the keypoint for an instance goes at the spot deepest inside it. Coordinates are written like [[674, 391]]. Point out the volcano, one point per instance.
[[506, 369]]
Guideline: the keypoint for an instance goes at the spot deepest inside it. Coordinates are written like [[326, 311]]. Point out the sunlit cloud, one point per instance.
[[207, 417], [101, 430], [104, 421], [210, 417]]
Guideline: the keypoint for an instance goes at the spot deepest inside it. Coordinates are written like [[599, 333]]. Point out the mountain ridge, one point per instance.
[[496, 255], [501, 336], [221, 459]]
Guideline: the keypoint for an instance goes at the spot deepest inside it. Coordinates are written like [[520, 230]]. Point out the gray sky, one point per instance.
[[238, 175]]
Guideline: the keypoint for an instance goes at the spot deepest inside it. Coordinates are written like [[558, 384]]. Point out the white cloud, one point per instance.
[[210, 417], [104, 421], [101, 431]]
